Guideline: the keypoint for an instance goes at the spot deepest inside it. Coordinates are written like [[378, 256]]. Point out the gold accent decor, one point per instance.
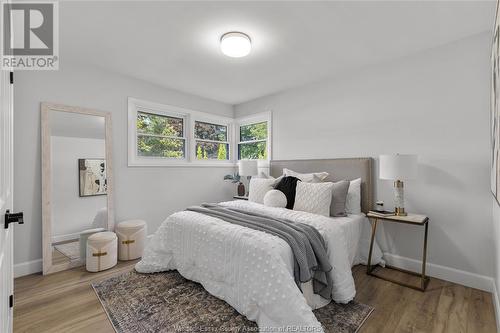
[[99, 254], [128, 241], [399, 188], [400, 211]]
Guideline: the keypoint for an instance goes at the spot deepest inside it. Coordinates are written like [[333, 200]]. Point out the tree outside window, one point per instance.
[[253, 141], [160, 136], [211, 141]]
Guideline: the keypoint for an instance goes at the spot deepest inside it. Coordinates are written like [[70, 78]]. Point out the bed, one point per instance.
[[252, 270]]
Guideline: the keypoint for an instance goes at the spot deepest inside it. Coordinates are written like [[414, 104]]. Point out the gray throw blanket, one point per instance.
[[307, 244]]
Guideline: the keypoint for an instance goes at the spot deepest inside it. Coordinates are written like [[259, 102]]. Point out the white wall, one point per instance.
[[71, 213], [149, 193], [434, 104]]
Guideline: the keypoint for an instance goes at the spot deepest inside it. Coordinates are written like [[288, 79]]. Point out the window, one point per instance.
[[168, 135], [160, 136], [212, 142], [254, 137]]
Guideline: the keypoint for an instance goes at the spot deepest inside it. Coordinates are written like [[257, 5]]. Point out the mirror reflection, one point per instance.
[[78, 183]]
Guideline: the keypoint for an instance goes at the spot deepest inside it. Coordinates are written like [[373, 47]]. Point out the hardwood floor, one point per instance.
[[65, 302]]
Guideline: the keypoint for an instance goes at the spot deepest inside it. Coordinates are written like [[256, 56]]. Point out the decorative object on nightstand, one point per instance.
[[409, 219], [235, 178], [240, 197], [248, 168], [398, 168]]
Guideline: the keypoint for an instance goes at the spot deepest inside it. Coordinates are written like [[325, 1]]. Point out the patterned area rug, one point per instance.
[[167, 302]]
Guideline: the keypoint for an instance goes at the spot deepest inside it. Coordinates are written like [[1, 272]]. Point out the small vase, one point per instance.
[[241, 189]]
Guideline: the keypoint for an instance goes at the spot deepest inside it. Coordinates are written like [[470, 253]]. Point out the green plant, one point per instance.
[[234, 178]]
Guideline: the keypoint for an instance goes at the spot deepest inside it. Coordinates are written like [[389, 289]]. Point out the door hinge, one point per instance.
[[11, 301], [11, 77], [13, 218]]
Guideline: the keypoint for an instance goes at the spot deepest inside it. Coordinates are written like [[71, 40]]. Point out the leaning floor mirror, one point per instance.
[[77, 182]]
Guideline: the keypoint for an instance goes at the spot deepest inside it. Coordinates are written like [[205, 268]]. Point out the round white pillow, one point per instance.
[[275, 198]]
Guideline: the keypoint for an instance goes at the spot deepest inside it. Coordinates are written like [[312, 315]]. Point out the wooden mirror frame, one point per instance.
[[48, 267]]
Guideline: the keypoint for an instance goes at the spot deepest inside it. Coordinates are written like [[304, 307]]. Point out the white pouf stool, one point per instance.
[[101, 251], [84, 235], [131, 239]]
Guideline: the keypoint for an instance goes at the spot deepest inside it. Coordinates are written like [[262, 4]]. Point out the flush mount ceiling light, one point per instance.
[[235, 44]]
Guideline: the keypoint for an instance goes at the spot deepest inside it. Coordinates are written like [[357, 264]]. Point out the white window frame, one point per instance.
[[190, 116], [230, 141], [254, 119]]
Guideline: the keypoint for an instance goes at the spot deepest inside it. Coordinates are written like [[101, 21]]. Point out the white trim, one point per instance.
[[454, 275], [35, 266], [189, 116], [266, 116], [27, 268], [229, 123]]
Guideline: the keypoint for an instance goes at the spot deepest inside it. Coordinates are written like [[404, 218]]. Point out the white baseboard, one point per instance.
[[27, 268], [35, 266], [467, 279]]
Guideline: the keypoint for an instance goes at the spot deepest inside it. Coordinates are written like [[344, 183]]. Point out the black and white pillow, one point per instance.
[[288, 185]]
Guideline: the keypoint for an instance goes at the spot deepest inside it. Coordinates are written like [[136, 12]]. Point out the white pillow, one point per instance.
[[305, 177], [353, 201], [313, 197], [259, 187], [275, 198]]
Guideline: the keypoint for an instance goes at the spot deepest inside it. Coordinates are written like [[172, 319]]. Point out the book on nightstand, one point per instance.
[[381, 213]]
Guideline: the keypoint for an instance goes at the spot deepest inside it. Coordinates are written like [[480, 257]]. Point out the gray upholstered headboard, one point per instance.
[[339, 169]]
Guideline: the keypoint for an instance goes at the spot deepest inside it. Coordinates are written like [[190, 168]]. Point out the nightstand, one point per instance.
[[239, 197], [410, 219]]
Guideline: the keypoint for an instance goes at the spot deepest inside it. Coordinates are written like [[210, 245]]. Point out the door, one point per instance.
[[6, 186]]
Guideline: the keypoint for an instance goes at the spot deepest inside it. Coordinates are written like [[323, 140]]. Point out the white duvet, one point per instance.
[[252, 270]]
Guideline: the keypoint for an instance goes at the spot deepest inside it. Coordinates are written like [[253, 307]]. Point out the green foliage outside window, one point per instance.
[[207, 147], [160, 136], [253, 141], [222, 153], [212, 151]]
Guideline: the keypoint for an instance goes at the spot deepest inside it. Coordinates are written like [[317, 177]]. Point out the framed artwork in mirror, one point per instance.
[[92, 177]]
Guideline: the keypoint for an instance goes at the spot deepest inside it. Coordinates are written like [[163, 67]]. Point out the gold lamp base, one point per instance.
[[399, 199], [400, 211]]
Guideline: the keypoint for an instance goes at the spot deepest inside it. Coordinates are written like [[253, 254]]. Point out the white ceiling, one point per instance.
[[77, 125], [176, 44]]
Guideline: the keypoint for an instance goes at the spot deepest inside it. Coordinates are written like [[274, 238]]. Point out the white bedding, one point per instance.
[[252, 270]]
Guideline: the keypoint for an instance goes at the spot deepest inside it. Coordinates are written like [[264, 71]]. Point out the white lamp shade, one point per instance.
[[248, 168], [398, 167]]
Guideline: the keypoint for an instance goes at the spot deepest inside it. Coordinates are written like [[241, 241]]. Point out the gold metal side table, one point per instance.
[[412, 219]]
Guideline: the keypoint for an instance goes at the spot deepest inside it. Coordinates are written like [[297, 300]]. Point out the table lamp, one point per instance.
[[248, 168], [398, 168]]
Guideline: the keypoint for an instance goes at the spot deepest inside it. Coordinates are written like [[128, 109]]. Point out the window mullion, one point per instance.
[[211, 141], [252, 141], [162, 136]]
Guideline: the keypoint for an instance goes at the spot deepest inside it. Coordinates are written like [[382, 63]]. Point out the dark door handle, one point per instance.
[[13, 218]]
